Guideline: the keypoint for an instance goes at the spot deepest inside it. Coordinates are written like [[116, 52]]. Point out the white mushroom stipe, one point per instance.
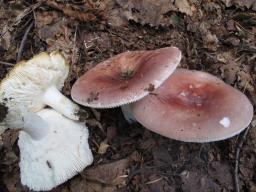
[[126, 109], [35, 126], [31, 123], [225, 122], [63, 153], [53, 97]]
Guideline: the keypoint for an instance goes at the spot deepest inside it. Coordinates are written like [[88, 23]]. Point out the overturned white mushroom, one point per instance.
[[36, 83], [57, 157]]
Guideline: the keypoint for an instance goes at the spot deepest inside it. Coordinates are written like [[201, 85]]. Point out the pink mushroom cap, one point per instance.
[[125, 78], [194, 106]]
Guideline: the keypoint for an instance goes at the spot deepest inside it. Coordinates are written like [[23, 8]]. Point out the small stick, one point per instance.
[[237, 157], [6, 63], [24, 38], [74, 50]]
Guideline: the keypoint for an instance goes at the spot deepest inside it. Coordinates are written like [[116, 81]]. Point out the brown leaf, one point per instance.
[[99, 187], [195, 181], [185, 7], [53, 29], [158, 184], [210, 40], [147, 11], [222, 172], [244, 3], [114, 173], [70, 10], [78, 184], [103, 147], [230, 71]]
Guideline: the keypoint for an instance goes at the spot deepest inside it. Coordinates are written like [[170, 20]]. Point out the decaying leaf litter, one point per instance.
[[214, 36]]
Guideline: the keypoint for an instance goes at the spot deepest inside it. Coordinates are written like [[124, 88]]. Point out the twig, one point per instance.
[[6, 63], [74, 50], [116, 34], [24, 38], [237, 157], [239, 25], [154, 181]]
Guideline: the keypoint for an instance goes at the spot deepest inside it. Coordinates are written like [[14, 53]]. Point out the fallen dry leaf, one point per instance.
[[249, 4], [185, 7], [82, 13], [147, 11], [53, 29], [231, 70], [103, 147], [99, 187], [114, 173], [210, 40], [221, 172], [78, 184], [159, 184], [194, 181]]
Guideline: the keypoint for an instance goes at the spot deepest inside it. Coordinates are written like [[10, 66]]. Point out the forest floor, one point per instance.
[[216, 36]]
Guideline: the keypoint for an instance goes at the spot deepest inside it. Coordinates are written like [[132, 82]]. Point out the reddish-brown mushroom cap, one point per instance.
[[125, 78], [194, 106]]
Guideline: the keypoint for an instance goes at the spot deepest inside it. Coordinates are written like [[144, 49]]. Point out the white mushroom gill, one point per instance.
[[57, 157], [225, 122], [37, 83]]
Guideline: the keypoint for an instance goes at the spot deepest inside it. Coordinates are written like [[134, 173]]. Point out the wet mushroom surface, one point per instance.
[[125, 77], [194, 106]]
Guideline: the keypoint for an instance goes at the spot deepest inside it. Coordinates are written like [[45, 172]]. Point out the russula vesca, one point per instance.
[[125, 78], [57, 157], [36, 83], [194, 106]]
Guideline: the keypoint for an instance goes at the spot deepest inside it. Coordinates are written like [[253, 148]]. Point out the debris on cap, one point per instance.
[[57, 157], [125, 78], [194, 106]]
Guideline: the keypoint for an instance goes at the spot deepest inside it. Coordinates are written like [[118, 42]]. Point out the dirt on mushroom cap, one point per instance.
[[125, 78], [194, 106]]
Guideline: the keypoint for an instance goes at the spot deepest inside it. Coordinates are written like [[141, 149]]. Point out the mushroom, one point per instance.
[[194, 106], [125, 78], [36, 83], [57, 157]]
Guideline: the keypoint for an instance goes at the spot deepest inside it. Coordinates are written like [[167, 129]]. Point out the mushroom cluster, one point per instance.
[[181, 104], [53, 143]]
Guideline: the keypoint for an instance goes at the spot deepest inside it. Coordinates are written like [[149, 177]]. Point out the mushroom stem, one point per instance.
[[35, 126], [31, 123], [60, 103], [128, 115]]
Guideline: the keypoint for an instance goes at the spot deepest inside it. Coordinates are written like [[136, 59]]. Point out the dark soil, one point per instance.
[[214, 36]]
